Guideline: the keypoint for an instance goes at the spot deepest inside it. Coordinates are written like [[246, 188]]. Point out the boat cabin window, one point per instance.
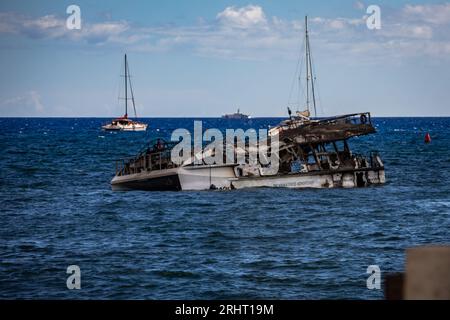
[[311, 159]]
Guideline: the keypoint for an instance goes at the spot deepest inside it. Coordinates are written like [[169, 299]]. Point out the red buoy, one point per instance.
[[427, 138]]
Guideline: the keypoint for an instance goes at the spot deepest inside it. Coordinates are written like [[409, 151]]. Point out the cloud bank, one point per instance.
[[250, 33]]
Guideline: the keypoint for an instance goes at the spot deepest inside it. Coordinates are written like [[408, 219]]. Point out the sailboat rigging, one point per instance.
[[303, 117], [309, 91], [309, 71]]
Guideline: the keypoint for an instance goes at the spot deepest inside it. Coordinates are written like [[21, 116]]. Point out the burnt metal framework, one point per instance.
[[156, 155], [315, 144]]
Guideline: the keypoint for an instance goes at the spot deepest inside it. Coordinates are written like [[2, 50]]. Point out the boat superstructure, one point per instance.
[[124, 123], [316, 154]]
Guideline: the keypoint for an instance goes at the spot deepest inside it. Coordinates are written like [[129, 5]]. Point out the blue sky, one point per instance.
[[204, 58]]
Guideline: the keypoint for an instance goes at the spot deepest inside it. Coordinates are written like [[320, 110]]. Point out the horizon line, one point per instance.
[[206, 117]]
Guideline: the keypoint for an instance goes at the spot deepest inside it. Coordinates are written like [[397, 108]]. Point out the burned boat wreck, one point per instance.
[[312, 154], [316, 154], [309, 153]]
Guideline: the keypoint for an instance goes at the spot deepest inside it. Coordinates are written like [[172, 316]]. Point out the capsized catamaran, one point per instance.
[[124, 123], [312, 153]]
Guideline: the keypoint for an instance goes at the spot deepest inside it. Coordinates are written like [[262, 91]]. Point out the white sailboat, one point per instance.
[[124, 123]]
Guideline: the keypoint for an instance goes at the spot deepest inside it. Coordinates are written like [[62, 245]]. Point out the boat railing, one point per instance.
[[144, 162], [356, 119], [370, 160], [375, 160], [353, 118], [340, 160]]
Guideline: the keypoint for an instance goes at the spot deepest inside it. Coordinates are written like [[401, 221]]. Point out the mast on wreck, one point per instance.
[[309, 71], [126, 87]]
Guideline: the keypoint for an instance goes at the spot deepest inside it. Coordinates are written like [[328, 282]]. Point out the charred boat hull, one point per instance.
[[167, 180]]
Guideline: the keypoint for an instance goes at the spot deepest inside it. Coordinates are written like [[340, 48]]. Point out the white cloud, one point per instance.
[[244, 17], [424, 32], [358, 5], [35, 99], [107, 28], [24, 102], [53, 27], [249, 33], [407, 31], [103, 32], [47, 22], [438, 14], [45, 26], [337, 24]]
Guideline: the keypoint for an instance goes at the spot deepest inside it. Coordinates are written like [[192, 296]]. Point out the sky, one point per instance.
[[205, 58]]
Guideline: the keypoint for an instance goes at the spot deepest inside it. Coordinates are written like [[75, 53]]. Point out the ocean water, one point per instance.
[[57, 209]]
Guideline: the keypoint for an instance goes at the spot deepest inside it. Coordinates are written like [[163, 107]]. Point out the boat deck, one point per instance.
[[330, 129]]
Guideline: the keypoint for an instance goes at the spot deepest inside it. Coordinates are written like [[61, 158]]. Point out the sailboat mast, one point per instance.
[[312, 80], [307, 62], [309, 70], [126, 85]]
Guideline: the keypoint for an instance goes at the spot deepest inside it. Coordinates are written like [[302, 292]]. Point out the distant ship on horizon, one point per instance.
[[236, 115]]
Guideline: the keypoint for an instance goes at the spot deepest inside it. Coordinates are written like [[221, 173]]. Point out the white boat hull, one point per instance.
[[128, 127], [349, 179], [206, 177]]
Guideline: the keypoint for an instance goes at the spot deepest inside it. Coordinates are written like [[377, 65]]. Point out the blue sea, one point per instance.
[[57, 209]]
